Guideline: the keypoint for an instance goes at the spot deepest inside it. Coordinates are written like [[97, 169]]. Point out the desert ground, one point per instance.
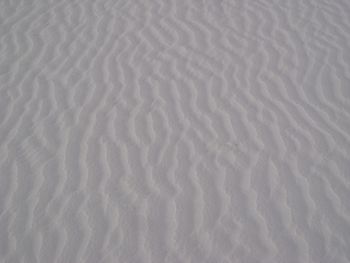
[[175, 131]]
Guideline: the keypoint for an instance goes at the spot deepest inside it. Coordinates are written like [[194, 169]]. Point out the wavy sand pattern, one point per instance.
[[179, 131]]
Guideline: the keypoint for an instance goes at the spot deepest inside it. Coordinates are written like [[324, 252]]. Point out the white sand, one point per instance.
[[175, 131]]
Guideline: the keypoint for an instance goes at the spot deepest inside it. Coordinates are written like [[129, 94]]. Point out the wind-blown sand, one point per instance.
[[175, 131]]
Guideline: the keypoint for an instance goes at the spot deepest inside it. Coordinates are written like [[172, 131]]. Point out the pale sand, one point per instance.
[[175, 131]]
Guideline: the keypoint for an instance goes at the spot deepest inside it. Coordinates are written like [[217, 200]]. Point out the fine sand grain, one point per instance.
[[174, 131]]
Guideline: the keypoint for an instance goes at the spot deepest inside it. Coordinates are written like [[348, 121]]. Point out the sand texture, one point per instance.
[[175, 131]]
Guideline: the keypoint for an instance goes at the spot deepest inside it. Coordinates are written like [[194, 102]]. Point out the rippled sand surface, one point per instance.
[[174, 131]]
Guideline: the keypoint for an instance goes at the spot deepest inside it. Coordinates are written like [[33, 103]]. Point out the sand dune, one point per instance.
[[185, 131]]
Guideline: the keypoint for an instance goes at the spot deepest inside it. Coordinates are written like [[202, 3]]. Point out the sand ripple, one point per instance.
[[175, 131]]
